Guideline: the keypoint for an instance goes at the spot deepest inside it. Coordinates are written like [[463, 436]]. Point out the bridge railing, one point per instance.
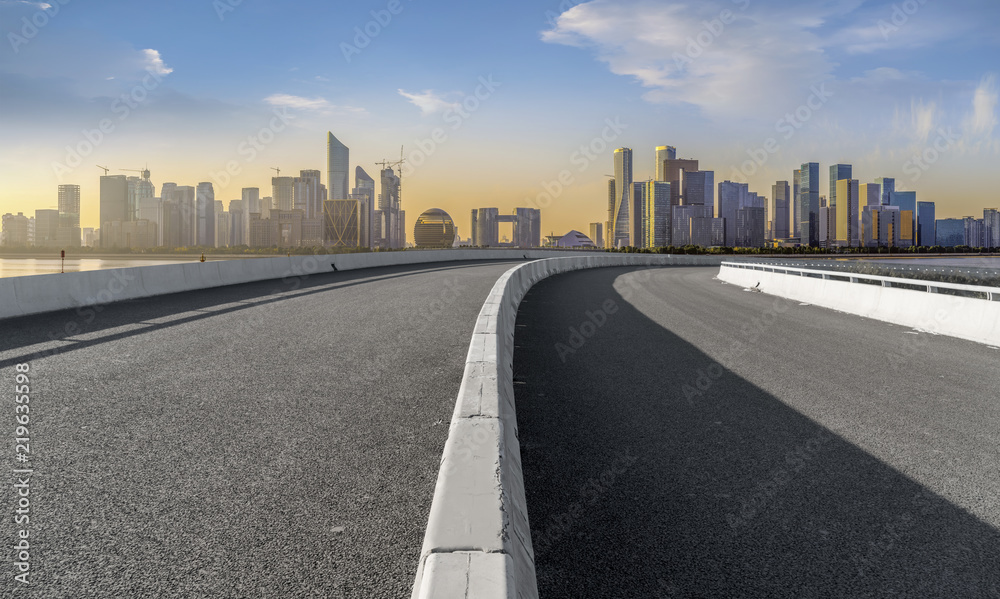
[[980, 291], [961, 310]]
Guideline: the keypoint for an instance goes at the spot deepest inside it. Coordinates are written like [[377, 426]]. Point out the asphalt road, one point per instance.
[[699, 440], [274, 439]]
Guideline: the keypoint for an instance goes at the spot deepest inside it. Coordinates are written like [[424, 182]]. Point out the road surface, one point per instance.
[[698, 440]]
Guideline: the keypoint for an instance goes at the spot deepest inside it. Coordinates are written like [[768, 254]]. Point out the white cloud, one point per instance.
[[154, 63], [428, 101], [984, 107], [731, 63], [319, 105]]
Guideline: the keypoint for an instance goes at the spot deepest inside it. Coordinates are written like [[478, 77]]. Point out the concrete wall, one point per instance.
[[964, 317], [44, 293], [478, 542]]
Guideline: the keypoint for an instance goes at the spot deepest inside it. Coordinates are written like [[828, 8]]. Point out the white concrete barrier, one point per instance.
[[478, 541], [45, 293], [968, 318]]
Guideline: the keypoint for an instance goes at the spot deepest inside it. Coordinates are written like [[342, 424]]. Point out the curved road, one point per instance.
[[681, 437], [274, 439]]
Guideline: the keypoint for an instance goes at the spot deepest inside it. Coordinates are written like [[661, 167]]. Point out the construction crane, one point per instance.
[[106, 169], [386, 164], [144, 171], [277, 170]]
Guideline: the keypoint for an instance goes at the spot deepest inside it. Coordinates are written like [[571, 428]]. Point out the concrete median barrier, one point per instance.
[[970, 318], [478, 539]]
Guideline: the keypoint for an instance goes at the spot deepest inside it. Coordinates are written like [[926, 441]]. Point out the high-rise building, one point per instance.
[[888, 187], [251, 205], [46, 228], [597, 234], [637, 220], [206, 214], [731, 197], [991, 227], [342, 227], [364, 192], [527, 227], [485, 227], [697, 188], [114, 202], [237, 223], [394, 230], [69, 202], [781, 193], [796, 221], [695, 224], [151, 210], [139, 188], [663, 153], [623, 197], [656, 214], [837, 172], [306, 193], [338, 167], [750, 222], [15, 230], [672, 169], [283, 192], [926, 225], [906, 200], [847, 216], [809, 204], [609, 225]]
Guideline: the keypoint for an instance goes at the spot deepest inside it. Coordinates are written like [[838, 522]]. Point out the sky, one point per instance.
[[510, 104]]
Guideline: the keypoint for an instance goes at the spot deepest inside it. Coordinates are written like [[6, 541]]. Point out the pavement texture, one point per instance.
[[699, 440], [273, 439]]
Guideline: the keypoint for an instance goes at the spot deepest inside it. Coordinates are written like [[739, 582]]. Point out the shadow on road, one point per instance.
[[652, 471]]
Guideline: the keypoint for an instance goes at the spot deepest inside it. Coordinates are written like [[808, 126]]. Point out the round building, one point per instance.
[[434, 229]]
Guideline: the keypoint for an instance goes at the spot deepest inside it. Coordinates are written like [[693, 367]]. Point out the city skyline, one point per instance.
[[871, 85]]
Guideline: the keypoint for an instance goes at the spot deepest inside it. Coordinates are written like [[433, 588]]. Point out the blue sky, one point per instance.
[[714, 78]]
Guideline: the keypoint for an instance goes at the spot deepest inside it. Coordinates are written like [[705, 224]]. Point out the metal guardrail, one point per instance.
[[975, 291]]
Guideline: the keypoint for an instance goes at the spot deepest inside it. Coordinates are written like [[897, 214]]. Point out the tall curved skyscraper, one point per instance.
[[337, 167]]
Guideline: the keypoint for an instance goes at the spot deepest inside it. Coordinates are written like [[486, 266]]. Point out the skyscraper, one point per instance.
[[888, 186], [656, 214], [697, 188], [926, 225], [283, 192], [847, 215], [609, 225], [597, 234], [837, 172], [307, 196], [781, 193], [663, 153], [364, 192], [637, 222], [114, 202], [206, 214], [672, 169], [388, 203], [69, 202], [623, 197], [527, 227], [794, 205], [731, 197], [991, 225], [809, 204], [907, 202], [337, 166]]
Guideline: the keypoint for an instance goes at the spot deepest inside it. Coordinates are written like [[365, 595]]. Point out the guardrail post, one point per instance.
[[886, 284]]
